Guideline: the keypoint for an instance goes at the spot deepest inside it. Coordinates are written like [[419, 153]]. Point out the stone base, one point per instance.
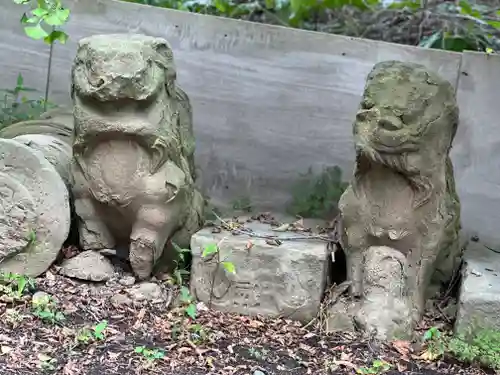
[[286, 280], [479, 299]]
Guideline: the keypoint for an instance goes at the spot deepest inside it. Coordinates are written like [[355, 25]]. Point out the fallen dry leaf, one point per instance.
[[403, 347], [6, 349]]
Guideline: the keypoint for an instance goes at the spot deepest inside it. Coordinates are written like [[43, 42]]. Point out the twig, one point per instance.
[[250, 233], [49, 68], [489, 248], [215, 274]]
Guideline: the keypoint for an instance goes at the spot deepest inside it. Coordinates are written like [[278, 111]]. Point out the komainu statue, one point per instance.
[[133, 150], [400, 214]]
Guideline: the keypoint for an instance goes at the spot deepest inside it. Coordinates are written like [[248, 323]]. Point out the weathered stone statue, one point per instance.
[[34, 199], [400, 214], [133, 149]]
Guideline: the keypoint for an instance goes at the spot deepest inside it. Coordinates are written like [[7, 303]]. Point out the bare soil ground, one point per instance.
[[214, 343]]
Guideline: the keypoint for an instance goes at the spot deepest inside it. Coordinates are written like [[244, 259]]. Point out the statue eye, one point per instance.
[[408, 118], [367, 103], [361, 115]]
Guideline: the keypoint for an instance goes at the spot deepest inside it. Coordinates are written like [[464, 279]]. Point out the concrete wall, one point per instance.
[[476, 154], [270, 102]]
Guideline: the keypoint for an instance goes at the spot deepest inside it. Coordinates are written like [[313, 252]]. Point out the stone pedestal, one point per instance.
[[286, 280], [479, 299]]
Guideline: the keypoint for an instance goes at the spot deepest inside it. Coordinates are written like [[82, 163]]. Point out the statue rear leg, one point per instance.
[[93, 232]]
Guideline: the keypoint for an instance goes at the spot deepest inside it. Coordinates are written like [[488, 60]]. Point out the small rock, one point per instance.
[[127, 280], [40, 298], [145, 292], [119, 300], [89, 265]]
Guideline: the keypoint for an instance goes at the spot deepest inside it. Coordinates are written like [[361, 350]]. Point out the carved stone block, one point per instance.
[[286, 280], [479, 299]]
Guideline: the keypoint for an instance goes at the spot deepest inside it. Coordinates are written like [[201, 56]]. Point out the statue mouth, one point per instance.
[[388, 142], [390, 145]]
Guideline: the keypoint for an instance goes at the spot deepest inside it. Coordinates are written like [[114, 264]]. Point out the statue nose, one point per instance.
[[390, 123]]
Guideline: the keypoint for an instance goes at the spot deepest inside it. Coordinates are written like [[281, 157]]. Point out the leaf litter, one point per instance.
[[98, 337]]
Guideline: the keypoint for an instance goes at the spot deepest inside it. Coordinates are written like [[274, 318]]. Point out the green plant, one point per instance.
[[260, 354], [482, 346], [99, 330], [198, 333], [46, 363], [213, 250], [14, 285], [180, 271], [317, 196], [242, 204], [188, 302], [150, 354], [52, 14], [180, 264], [86, 335], [456, 26], [17, 107], [435, 344], [475, 31], [45, 308], [378, 367]]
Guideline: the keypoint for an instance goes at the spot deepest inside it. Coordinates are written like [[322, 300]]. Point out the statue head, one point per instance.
[[406, 111], [116, 67]]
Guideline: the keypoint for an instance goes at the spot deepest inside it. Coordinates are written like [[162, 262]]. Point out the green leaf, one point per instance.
[[35, 32], [229, 267], [39, 12], [209, 249], [431, 40], [60, 316], [44, 4], [20, 80], [59, 35], [21, 284], [185, 295], [29, 20], [270, 4], [295, 5], [158, 354], [58, 18], [21, 1], [221, 5], [410, 4], [139, 349], [101, 327], [495, 24], [176, 247], [427, 335], [191, 311], [465, 7]]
